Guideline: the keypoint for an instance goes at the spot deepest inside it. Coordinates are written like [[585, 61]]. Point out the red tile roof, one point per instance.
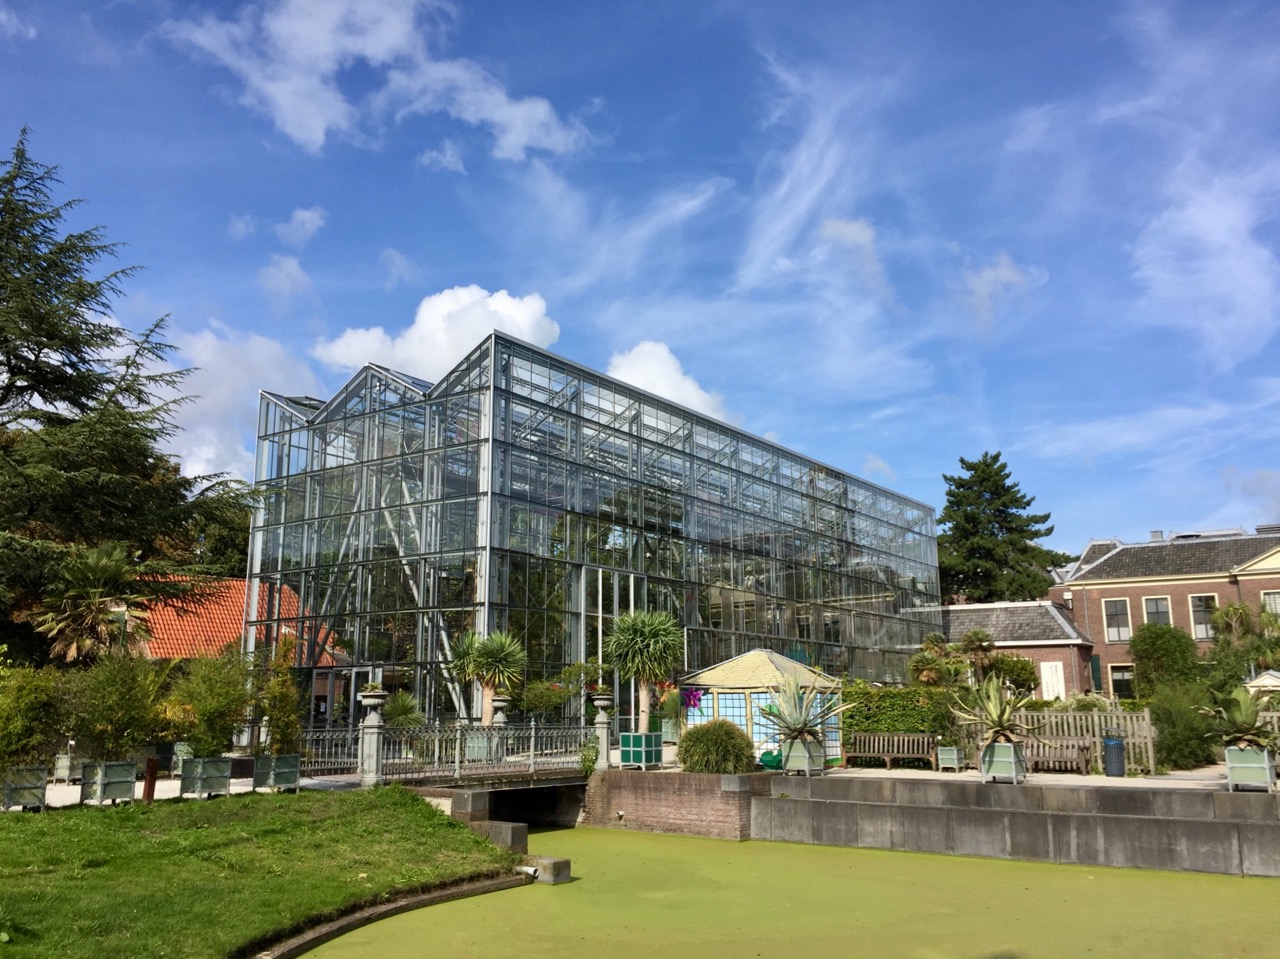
[[207, 625]]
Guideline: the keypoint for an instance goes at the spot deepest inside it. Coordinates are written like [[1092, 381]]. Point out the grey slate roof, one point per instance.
[[1174, 557], [1019, 624]]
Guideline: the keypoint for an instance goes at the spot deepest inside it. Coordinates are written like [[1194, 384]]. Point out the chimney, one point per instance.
[[1157, 535]]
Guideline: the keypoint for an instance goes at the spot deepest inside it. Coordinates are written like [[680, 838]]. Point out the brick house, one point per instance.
[[1180, 580], [1041, 631]]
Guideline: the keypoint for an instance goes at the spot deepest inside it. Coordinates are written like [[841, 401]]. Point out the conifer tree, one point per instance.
[[987, 549]]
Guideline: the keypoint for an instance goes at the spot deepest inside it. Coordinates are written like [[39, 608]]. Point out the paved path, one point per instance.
[[62, 794]]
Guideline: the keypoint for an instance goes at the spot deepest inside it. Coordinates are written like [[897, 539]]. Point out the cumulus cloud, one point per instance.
[[989, 285], [293, 57], [242, 225], [304, 224], [400, 269], [859, 236], [446, 325], [652, 366], [446, 158], [283, 279], [12, 27], [217, 427], [875, 466]]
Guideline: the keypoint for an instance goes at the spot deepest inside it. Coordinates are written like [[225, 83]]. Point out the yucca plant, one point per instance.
[[800, 714], [646, 646], [992, 709], [1238, 716], [496, 661], [401, 710]]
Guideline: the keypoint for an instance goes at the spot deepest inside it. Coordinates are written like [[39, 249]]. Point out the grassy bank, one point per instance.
[[641, 895], [197, 879]]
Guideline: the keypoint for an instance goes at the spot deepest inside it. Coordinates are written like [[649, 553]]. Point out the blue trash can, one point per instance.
[[1113, 751]]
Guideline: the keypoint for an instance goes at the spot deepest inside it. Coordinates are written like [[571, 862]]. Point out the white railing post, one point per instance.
[[533, 742], [457, 753], [371, 730]]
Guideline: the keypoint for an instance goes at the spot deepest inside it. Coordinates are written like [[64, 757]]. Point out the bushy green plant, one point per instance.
[[1183, 735], [1081, 703], [281, 702], [118, 706], [718, 746], [212, 700], [1162, 655], [34, 715], [589, 755], [401, 710], [1237, 718], [890, 709], [1017, 671]]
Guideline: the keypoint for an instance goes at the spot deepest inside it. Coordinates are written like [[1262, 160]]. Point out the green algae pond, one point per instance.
[[637, 894]]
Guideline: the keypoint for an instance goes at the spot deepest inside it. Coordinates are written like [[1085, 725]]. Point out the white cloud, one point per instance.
[[859, 236], [217, 427], [283, 279], [12, 27], [400, 269], [990, 285], [446, 325], [447, 157], [875, 466], [304, 224], [242, 225], [292, 55], [652, 366]]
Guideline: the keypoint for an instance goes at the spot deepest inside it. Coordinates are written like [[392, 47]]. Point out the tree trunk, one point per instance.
[[644, 693], [486, 705]]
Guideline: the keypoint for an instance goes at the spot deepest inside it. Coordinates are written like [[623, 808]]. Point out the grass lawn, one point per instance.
[[196, 879], [646, 895]]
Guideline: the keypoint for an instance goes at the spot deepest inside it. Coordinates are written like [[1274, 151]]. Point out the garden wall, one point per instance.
[[691, 804], [1183, 830]]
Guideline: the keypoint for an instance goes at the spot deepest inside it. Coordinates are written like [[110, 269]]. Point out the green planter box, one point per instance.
[[640, 749], [1249, 768], [108, 782], [206, 776], [1004, 763], [66, 768], [25, 786], [803, 757], [277, 772], [951, 757]]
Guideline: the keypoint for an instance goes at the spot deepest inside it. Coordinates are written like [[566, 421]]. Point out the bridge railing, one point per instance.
[[329, 752], [458, 751]]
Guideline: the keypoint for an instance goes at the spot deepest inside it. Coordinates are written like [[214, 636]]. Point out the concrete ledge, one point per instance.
[[551, 870]]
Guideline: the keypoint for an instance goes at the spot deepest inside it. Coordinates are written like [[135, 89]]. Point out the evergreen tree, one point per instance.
[[85, 405], [987, 549]]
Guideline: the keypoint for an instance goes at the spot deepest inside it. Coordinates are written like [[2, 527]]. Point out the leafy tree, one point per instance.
[[35, 715], [987, 549], [119, 705], [1017, 671], [646, 646], [1162, 655], [1243, 642], [213, 697], [281, 702], [85, 405]]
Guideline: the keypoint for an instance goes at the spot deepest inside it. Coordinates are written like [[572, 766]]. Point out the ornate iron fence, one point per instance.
[[455, 751], [330, 752]]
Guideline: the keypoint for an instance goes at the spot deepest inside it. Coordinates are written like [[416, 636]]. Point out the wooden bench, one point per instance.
[[891, 746], [1059, 753]]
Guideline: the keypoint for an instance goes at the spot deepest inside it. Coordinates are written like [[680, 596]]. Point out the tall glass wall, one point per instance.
[[528, 494]]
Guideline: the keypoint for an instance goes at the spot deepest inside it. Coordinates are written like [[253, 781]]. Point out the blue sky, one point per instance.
[[887, 235]]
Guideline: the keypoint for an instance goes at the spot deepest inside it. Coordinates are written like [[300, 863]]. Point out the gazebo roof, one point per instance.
[[757, 669], [1268, 680]]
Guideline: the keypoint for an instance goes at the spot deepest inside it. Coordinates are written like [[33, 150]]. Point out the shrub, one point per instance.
[[34, 715], [281, 703], [1162, 655], [1018, 671], [213, 699], [890, 709], [718, 746], [1184, 737], [118, 706]]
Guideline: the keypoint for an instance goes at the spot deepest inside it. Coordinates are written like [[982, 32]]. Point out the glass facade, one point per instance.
[[525, 493]]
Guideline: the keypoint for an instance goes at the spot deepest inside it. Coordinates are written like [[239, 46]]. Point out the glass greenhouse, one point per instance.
[[526, 493]]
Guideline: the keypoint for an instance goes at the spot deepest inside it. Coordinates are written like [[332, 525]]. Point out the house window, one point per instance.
[[1116, 613], [1202, 608], [1122, 682], [1271, 602], [1156, 610]]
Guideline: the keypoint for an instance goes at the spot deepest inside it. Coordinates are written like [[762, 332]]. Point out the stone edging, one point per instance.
[[306, 941]]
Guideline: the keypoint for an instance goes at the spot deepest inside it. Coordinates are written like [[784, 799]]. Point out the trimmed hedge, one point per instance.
[[892, 709]]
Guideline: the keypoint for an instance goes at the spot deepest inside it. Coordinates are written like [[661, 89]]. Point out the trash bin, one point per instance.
[[1113, 751]]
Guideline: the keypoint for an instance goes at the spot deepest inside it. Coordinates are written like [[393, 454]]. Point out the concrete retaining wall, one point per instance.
[[692, 804], [1218, 832]]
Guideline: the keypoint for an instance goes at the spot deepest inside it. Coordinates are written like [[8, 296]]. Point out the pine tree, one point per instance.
[[987, 549]]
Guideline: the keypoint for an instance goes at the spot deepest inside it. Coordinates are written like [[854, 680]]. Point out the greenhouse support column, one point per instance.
[[602, 734], [371, 749]]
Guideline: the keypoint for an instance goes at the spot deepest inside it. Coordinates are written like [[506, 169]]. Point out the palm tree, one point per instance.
[[938, 663], [96, 604], [647, 647], [977, 646], [495, 661], [401, 710]]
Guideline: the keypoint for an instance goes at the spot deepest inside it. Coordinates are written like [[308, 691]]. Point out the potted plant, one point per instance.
[[372, 695], [646, 647], [993, 712], [1248, 740], [950, 753], [800, 717], [671, 709]]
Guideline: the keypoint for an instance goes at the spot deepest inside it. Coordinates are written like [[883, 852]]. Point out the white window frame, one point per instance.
[[1168, 609], [1270, 600], [1191, 612], [1111, 673], [1126, 630]]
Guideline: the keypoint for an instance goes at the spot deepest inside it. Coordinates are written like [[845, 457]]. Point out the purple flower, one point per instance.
[[692, 698]]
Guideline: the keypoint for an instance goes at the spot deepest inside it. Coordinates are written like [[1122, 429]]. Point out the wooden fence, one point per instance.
[[1139, 735]]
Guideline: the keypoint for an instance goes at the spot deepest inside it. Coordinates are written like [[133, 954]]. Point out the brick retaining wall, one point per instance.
[[692, 804]]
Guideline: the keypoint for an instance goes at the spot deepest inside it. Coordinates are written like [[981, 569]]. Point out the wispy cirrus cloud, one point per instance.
[[292, 57]]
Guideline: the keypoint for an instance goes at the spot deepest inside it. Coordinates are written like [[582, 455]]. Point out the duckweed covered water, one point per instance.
[[644, 895]]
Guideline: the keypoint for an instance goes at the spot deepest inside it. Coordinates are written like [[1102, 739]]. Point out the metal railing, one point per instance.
[[459, 751], [330, 752]]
